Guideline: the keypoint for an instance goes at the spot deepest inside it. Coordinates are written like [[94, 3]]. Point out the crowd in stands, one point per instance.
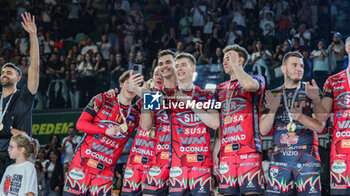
[[86, 44]]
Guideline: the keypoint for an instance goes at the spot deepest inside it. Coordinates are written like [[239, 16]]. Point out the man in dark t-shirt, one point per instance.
[[16, 105]]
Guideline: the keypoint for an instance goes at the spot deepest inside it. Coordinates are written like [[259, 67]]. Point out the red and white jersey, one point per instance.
[[190, 136], [337, 87], [142, 150], [162, 132], [239, 117], [98, 151]]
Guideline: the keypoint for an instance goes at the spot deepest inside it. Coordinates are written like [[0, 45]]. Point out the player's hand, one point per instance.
[[114, 131], [312, 91], [135, 81], [29, 23], [233, 60], [296, 112], [112, 92], [272, 102], [216, 166]]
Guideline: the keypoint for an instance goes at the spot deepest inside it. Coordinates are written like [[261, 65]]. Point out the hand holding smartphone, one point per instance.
[[137, 68]]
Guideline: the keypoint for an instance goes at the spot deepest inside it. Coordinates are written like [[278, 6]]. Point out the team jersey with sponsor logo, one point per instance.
[[239, 117], [98, 152], [337, 87], [301, 143], [162, 145], [142, 150], [190, 136]]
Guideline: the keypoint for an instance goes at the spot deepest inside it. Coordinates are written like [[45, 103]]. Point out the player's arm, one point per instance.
[[210, 118], [216, 149], [146, 119], [248, 83], [85, 121], [321, 108], [33, 71], [267, 120], [308, 122]]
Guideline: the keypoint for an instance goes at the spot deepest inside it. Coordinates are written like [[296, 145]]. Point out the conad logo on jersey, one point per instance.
[[76, 175], [128, 173], [223, 169], [175, 172], [339, 167], [154, 171]]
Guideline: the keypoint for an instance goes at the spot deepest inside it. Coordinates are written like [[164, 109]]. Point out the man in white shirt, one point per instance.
[[69, 144]]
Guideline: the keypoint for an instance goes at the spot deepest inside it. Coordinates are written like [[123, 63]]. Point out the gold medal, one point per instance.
[[291, 127], [124, 127], [228, 119], [1, 126]]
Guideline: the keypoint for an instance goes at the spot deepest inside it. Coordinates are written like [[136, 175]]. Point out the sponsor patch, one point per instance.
[[76, 175], [128, 173], [164, 155], [194, 158], [345, 143], [154, 171], [175, 172], [223, 169], [338, 166]]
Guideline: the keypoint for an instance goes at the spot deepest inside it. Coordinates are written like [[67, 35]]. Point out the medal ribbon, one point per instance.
[[228, 98], [3, 112], [121, 112], [193, 88], [293, 99]]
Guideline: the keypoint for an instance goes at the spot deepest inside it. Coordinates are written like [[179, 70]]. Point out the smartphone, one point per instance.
[[137, 68]]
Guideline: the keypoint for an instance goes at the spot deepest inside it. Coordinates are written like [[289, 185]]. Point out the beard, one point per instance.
[[8, 83], [293, 80]]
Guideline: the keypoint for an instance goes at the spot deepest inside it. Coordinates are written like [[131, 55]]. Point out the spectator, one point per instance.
[[185, 23], [41, 178], [100, 73], [268, 27], [69, 144], [41, 157], [72, 77], [266, 163], [218, 57], [54, 175], [86, 72], [214, 41], [198, 12], [104, 47], [54, 145], [89, 47], [320, 63], [260, 59], [303, 34], [336, 53]]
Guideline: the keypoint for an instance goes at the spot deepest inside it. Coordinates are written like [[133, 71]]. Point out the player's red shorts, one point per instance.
[[241, 174], [340, 174], [80, 182], [134, 178], [157, 181], [190, 181]]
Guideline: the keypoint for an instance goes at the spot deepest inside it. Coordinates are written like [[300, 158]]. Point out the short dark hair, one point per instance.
[[166, 52], [187, 56], [18, 70], [240, 50], [124, 76], [291, 54]]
